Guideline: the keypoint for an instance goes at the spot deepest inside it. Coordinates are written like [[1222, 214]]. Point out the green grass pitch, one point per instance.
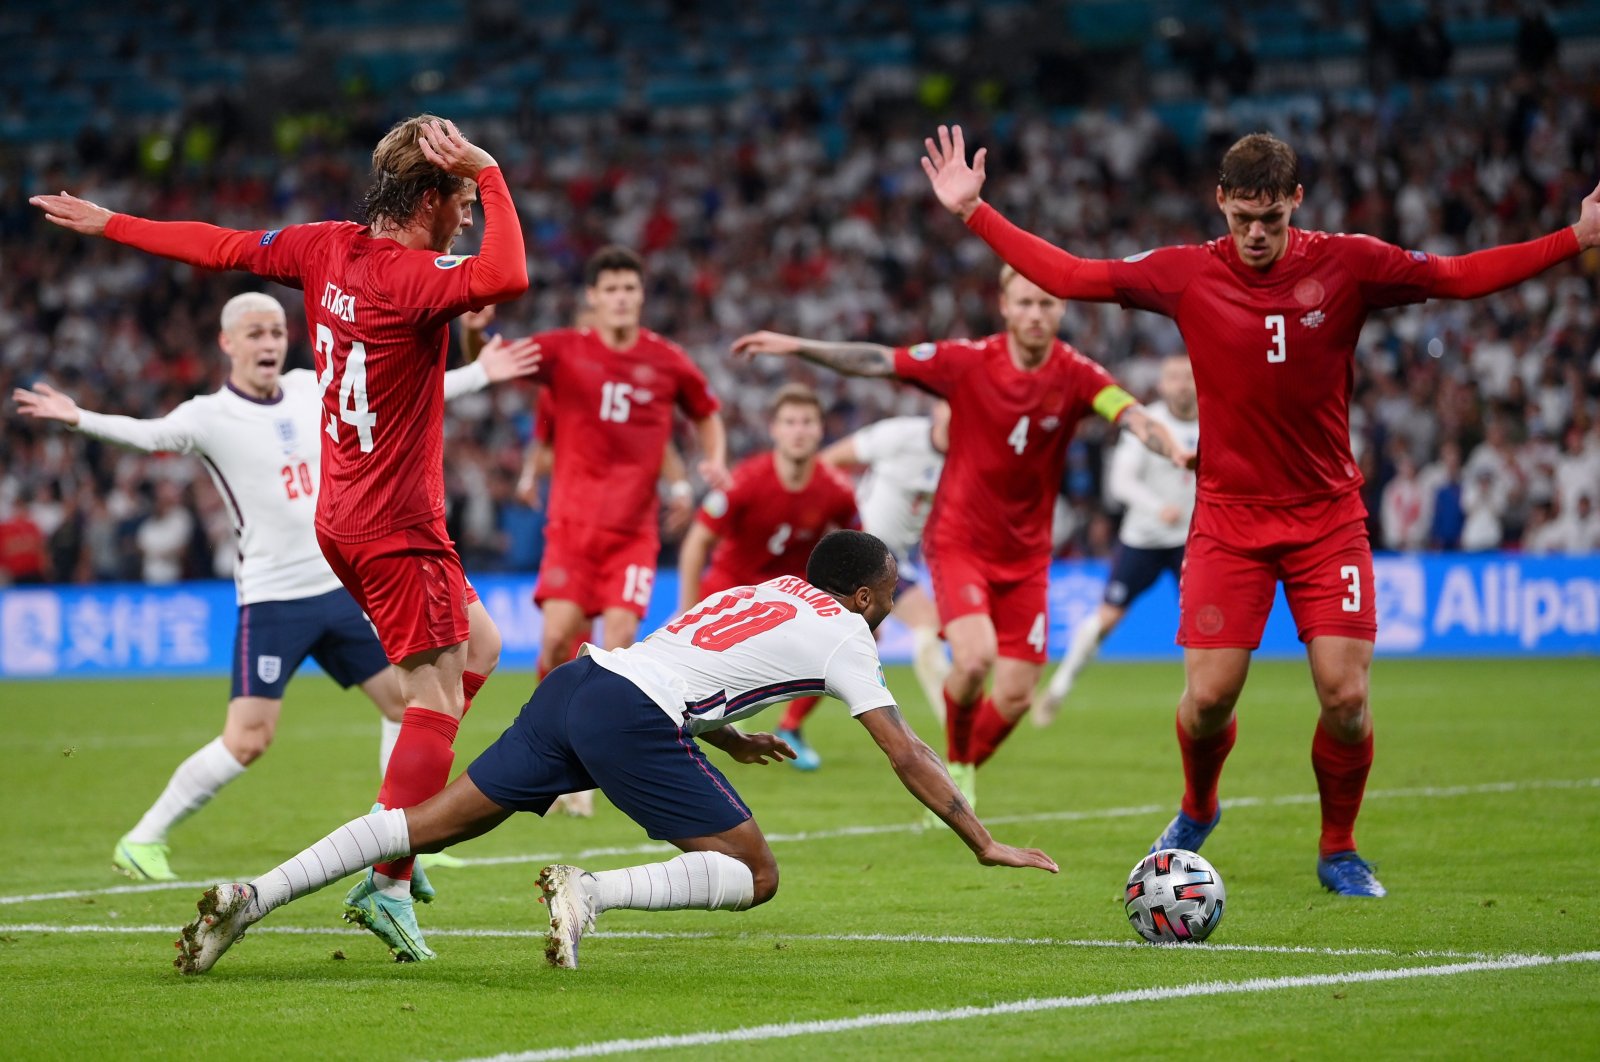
[[1483, 816]]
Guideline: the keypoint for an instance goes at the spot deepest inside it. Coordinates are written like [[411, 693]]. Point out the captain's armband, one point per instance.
[[1112, 402]]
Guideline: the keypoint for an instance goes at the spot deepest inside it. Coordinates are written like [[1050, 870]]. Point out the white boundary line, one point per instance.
[[848, 938], [788, 1030], [1418, 792]]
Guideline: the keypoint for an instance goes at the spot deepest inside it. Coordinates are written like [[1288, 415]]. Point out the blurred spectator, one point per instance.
[[1483, 500], [22, 546], [1405, 512], [164, 535]]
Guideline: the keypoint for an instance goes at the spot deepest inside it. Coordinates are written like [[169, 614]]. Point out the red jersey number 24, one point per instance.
[[352, 389]]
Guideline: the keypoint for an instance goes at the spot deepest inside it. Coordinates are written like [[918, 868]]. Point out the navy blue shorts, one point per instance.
[[586, 728], [1135, 570], [274, 637]]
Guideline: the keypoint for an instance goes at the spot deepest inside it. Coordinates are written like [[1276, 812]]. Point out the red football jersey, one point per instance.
[[1009, 431], [612, 412], [379, 315], [1272, 353], [766, 530]]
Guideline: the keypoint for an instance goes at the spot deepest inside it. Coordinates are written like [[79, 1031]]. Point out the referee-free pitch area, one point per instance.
[[1483, 816]]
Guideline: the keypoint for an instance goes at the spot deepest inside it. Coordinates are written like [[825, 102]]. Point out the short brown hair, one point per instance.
[[794, 394], [1259, 166], [611, 257], [402, 174]]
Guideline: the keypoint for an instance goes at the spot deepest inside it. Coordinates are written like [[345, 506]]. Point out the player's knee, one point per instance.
[[1344, 703], [247, 745], [765, 875], [1211, 698], [971, 666]]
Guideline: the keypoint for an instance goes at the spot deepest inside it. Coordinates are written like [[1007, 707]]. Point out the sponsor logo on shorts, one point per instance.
[[923, 352], [268, 668], [450, 261]]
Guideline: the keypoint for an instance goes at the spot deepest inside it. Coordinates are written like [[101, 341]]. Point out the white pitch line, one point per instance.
[[651, 848], [842, 938], [788, 1030]]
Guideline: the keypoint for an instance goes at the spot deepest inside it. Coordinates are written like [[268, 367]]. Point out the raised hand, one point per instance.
[[1588, 225], [749, 346], [73, 213], [45, 403], [504, 359], [1005, 855], [955, 183], [445, 147]]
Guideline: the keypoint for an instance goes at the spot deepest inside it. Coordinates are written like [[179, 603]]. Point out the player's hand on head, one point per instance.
[[750, 345], [504, 359], [957, 185], [1005, 855], [45, 403], [443, 145], [70, 212]]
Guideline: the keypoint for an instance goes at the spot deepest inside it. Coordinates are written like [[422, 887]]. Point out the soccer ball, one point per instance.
[[1174, 897]]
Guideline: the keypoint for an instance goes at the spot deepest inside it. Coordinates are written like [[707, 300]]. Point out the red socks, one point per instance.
[[989, 729], [1202, 767], [795, 714], [1341, 780], [418, 768], [471, 683], [958, 729]]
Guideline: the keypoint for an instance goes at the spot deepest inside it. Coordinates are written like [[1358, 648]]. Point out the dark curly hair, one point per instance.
[[402, 174], [845, 561]]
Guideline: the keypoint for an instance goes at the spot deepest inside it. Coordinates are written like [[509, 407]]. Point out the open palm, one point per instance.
[[957, 184]]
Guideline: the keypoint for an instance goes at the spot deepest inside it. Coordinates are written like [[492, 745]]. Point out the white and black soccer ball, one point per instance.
[[1174, 897]]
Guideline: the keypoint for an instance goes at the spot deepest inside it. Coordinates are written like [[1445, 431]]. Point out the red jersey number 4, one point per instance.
[[727, 629]]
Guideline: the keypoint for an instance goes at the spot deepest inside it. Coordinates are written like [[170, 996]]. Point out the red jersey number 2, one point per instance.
[[353, 408], [726, 631]]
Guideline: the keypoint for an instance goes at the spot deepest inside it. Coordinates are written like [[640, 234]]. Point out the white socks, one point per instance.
[[708, 881], [930, 665], [388, 734], [1085, 642], [196, 781], [356, 845]]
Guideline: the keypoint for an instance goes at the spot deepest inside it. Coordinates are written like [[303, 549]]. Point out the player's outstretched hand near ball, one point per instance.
[[757, 343], [504, 359], [445, 147], [957, 185], [1005, 855], [45, 403], [70, 212]]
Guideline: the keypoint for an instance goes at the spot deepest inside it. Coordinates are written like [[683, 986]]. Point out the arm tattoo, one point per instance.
[[852, 359]]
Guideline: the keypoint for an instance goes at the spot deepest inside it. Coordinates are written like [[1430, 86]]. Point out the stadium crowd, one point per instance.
[[1477, 425]]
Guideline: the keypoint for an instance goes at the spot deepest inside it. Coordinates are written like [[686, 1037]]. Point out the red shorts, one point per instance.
[[597, 569], [409, 583], [966, 585], [1237, 554]]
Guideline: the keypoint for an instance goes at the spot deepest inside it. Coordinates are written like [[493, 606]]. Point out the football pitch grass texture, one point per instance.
[[1483, 816]]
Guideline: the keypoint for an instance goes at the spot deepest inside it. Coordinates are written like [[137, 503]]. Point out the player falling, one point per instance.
[[777, 506], [1015, 399], [901, 459], [258, 438], [378, 300], [1270, 314], [1158, 500]]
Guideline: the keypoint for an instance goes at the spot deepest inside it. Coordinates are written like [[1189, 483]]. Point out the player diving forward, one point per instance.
[[1270, 315], [902, 459], [627, 721], [1159, 499], [258, 438], [379, 299]]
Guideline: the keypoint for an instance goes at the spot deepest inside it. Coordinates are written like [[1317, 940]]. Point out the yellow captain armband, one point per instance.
[[1112, 401]]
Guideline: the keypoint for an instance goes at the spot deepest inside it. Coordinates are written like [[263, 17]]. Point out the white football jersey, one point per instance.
[[1147, 483], [737, 652], [265, 458], [903, 470]]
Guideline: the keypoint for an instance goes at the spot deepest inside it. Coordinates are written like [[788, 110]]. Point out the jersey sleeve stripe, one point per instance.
[[777, 690]]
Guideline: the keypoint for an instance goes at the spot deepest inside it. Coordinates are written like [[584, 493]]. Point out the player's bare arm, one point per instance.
[[841, 454], [45, 403], [474, 325], [851, 359], [957, 185], [692, 556], [1155, 436], [748, 748], [680, 493], [923, 774], [445, 147], [713, 437], [70, 212]]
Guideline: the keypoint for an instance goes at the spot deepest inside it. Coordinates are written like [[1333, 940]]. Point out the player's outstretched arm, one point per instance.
[[852, 359], [748, 748], [194, 242], [841, 454], [692, 563], [46, 403], [1155, 436], [160, 435], [1471, 276], [923, 774]]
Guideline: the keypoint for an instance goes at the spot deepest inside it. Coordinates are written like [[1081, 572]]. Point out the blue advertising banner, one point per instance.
[[1431, 605]]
